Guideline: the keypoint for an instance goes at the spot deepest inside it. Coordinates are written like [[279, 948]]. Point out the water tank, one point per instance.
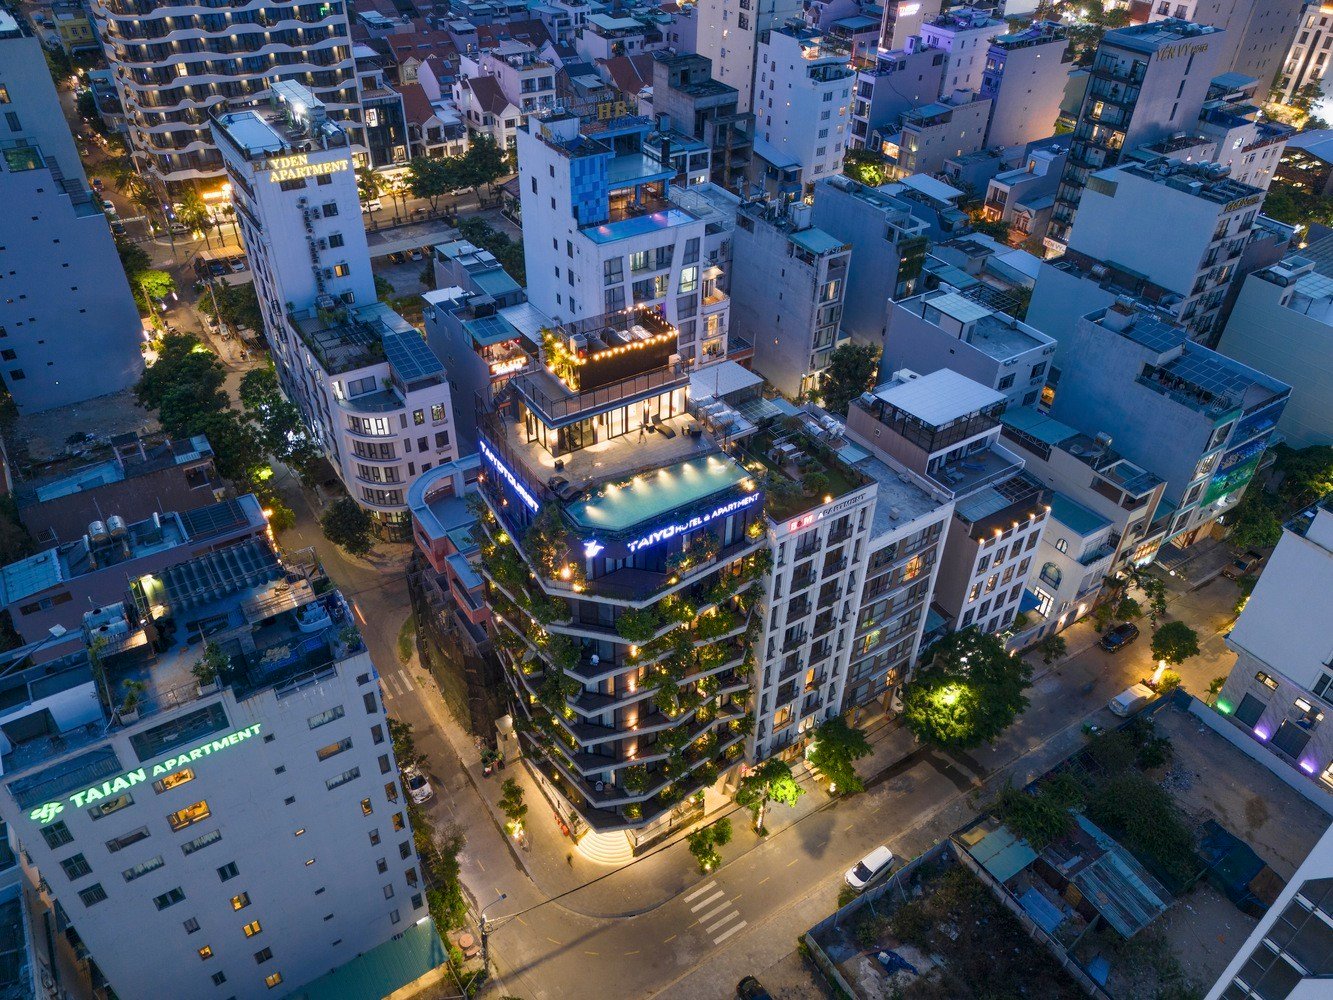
[[117, 526], [97, 531]]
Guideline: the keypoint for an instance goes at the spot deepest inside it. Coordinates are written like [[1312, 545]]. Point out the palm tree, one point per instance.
[[370, 187], [193, 215]]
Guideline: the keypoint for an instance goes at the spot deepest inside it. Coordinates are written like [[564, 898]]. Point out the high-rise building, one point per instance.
[[729, 33], [902, 19], [1307, 63], [1282, 683], [599, 192], [788, 281], [964, 34], [1024, 76], [68, 321], [1258, 37], [1148, 82], [175, 64], [890, 247], [1202, 219], [1189, 415], [945, 428], [1287, 956], [373, 396], [235, 800], [803, 101], [1283, 325]]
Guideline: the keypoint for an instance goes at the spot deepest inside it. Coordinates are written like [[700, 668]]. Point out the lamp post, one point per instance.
[[486, 933]]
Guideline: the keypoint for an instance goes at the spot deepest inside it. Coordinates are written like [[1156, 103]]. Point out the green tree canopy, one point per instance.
[[347, 524], [484, 163], [704, 842], [969, 692], [1255, 523], [851, 371], [771, 781], [1174, 643], [1307, 473], [835, 750]]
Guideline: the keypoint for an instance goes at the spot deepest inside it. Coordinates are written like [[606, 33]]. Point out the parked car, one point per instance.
[[1243, 564], [97, 184], [1130, 700], [178, 229], [238, 264], [415, 253], [1116, 639], [107, 206], [750, 988], [371, 206], [417, 786], [869, 868], [117, 227]]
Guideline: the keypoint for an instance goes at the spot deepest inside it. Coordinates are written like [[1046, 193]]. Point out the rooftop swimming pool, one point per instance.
[[653, 494]]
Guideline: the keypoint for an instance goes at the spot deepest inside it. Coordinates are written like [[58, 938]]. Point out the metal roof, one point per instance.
[[939, 397], [1046, 429], [489, 330]]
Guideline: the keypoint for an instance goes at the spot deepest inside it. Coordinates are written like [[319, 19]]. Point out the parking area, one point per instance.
[[403, 272]]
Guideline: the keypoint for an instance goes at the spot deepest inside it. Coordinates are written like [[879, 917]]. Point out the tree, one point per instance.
[[483, 163], [704, 843], [1053, 648], [512, 805], [1155, 591], [1307, 473], [152, 286], [836, 748], [771, 780], [1174, 643], [134, 260], [429, 178], [1255, 523], [1103, 615], [969, 692], [1128, 608], [369, 188], [851, 371], [193, 214], [1215, 688], [347, 524]]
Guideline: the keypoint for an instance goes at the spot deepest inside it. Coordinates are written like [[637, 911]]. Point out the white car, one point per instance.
[[417, 786], [869, 868]]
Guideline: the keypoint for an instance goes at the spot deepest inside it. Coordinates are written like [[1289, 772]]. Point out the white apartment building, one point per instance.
[[235, 836], [943, 329], [933, 133], [1282, 324], [900, 80], [1281, 687], [525, 78], [903, 19], [965, 35], [69, 329], [1258, 36], [803, 100], [728, 34], [787, 286], [174, 63], [1025, 76], [946, 428], [597, 191], [372, 394], [1308, 60]]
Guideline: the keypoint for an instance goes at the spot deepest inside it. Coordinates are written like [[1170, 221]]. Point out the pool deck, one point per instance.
[[617, 508]]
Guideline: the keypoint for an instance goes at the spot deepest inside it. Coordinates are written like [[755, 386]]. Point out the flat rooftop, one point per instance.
[[1076, 517], [650, 495], [902, 496], [1148, 38], [990, 332], [939, 397]]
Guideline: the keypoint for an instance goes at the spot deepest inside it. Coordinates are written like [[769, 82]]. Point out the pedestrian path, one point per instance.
[[396, 685], [714, 912]]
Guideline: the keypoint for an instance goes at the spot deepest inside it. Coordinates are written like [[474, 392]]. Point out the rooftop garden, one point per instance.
[[798, 472]]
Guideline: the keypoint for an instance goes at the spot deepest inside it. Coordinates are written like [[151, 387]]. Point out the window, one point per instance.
[[437, 414], [57, 835], [219, 978], [333, 749], [1006, 383], [341, 270], [781, 718], [92, 895], [418, 417], [343, 778], [111, 805], [252, 928], [366, 807], [263, 956], [324, 718], [241, 901], [228, 871], [181, 777], [190, 846], [143, 868], [191, 814], [330, 209], [273, 980], [170, 898], [689, 278], [76, 867], [206, 952], [191, 925], [125, 840], [335, 241], [1061, 545]]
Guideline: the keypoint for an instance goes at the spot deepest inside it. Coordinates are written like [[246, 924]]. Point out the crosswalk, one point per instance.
[[396, 686], [713, 911]]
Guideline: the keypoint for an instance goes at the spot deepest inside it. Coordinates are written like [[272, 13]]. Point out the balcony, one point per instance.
[[968, 473]]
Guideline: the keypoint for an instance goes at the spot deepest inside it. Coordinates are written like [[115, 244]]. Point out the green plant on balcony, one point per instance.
[[547, 540], [675, 765], [705, 745], [562, 650], [560, 360], [666, 694], [743, 725], [506, 568], [734, 752], [722, 590], [706, 773], [716, 624], [746, 666], [706, 713], [676, 608], [708, 686], [639, 624], [756, 565], [672, 740], [634, 811], [634, 779], [669, 796], [713, 656], [556, 689], [476, 506]]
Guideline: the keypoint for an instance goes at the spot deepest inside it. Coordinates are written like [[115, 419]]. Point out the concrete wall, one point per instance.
[[1026, 102]]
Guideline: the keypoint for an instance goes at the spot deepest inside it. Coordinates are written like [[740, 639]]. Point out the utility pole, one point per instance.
[[486, 933]]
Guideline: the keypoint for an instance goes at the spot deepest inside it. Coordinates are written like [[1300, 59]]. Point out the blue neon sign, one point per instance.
[[668, 531], [528, 500]]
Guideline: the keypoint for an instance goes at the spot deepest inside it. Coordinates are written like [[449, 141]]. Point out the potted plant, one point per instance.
[[134, 692], [209, 667], [350, 638]]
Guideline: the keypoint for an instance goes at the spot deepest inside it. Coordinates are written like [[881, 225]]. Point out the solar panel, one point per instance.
[[410, 357]]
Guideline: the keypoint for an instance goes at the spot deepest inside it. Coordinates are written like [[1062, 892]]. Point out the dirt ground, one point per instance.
[[43, 435], [1210, 778]]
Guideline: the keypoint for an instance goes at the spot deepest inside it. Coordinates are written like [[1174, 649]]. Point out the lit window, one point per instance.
[[206, 952], [172, 780], [182, 818], [333, 749], [240, 902], [273, 980], [252, 928], [366, 807]]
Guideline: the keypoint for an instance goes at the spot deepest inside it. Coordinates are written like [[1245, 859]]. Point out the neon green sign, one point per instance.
[[44, 814]]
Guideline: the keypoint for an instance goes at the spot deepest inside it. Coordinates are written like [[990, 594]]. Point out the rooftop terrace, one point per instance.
[[994, 334]]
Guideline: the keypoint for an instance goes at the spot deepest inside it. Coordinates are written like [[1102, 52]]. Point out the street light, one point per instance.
[[486, 933]]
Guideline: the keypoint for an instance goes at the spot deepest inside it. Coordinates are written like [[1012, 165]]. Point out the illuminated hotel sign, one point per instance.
[[814, 517], [672, 530], [297, 166], [44, 814], [509, 477]]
